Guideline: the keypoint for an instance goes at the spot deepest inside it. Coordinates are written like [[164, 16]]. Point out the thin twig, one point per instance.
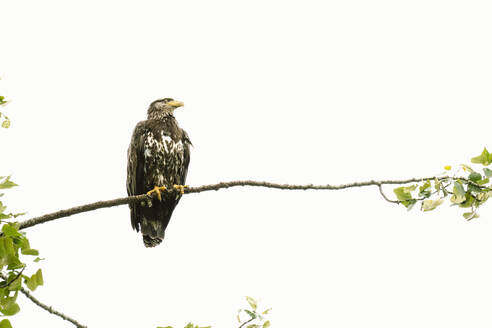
[[46, 307], [247, 322], [16, 277], [225, 185], [385, 197]]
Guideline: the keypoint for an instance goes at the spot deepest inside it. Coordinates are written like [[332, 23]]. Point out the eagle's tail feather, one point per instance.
[[150, 241], [154, 221], [152, 231]]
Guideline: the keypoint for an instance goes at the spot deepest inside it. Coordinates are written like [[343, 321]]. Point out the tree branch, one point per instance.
[[46, 307], [81, 209], [224, 185]]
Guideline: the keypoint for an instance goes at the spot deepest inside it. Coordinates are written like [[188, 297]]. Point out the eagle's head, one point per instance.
[[163, 107]]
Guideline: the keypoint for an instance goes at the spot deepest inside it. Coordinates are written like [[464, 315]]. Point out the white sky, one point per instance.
[[284, 91]]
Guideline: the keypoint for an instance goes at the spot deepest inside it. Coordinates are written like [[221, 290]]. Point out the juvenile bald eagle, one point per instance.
[[158, 158]]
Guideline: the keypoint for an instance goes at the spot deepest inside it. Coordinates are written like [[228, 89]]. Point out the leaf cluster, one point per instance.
[[6, 120], [468, 192], [13, 244], [247, 318], [253, 318]]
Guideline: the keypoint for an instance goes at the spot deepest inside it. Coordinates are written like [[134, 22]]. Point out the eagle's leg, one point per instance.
[[157, 190], [180, 188]]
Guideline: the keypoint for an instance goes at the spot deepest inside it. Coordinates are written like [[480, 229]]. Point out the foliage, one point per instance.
[[253, 318], [247, 318], [13, 244], [468, 192], [5, 124]]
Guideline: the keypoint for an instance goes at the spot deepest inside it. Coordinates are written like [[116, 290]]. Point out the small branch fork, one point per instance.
[[385, 197], [246, 322], [224, 185], [46, 307]]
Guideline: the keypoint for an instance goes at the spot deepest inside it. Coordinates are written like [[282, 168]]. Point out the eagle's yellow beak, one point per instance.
[[175, 103]]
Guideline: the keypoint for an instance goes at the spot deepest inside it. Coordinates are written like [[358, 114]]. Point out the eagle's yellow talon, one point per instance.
[[157, 190], [181, 188]]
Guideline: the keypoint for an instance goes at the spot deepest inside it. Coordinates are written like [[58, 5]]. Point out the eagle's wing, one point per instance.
[[186, 156], [135, 171]]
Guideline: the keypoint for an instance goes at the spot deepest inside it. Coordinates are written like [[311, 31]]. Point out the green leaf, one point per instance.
[[22, 242], [483, 181], [404, 195], [424, 189], [15, 284], [26, 248], [474, 176], [487, 172], [3, 254], [426, 185], [252, 302], [10, 307], [5, 323], [37, 259], [8, 246], [6, 123], [483, 196], [265, 325], [251, 314], [437, 184], [6, 183], [409, 203], [473, 187], [470, 215], [485, 158], [468, 201], [14, 263], [266, 311], [11, 230], [429, 204], [30, 251], [34, 281], [458, 193], [158, 327]]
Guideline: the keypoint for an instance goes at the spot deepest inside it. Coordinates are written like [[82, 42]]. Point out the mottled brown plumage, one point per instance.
[[158, 155]]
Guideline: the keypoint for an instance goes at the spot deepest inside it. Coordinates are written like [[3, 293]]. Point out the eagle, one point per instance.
[[158, 158]]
